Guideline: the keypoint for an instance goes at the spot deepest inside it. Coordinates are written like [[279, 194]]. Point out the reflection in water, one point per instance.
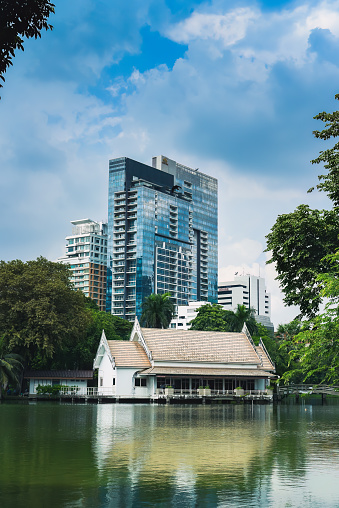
[[140, 455], [182, 452]]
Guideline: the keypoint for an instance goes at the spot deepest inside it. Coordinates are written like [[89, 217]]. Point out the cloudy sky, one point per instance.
[[230, 87]]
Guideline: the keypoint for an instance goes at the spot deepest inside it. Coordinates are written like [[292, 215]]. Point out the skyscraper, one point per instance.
[[162, 234], [86, 256]]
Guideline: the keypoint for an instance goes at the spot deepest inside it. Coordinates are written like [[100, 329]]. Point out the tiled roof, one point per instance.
[[203, 371], [267, 364], [199, 346], [59, 374], [128, 354]]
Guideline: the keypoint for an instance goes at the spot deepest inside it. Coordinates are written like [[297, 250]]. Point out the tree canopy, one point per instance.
[[39, 310], [210, 318], [80, 355], [329, 183], [157, 311], [301, 240], [20, 18], [215, 318], [314, 351]]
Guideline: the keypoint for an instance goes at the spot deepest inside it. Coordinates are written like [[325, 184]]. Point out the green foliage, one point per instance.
[[80, 355], [299, 241], [329, 182], [210, 318], [55, 389], [289, 330], [40, 312], [10, 368], [314, 351], [157, 311], [20, 18], [215, 318], [241, 316]]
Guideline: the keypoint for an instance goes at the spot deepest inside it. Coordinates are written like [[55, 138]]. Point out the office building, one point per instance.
[[162, 234], [248, 290], [86, 256]]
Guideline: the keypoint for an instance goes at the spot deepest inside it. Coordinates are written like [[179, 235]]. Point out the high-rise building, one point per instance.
[[86, 256], [162, 234], [248, 290]]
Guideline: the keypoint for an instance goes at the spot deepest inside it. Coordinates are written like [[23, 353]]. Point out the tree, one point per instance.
[[215, 318], [157, 311], [39, 310], [80, 355], [20, 18], [314, 351], [210, 318], [299, 241], [329, 182], [10, 368], [244, 315]]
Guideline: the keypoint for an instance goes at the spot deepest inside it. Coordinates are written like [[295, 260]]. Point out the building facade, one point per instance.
[[162, 234], [248, 290], [183, 360], [86, 256]]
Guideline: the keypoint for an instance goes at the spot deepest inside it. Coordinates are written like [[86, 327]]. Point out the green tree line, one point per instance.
[[45, 321]]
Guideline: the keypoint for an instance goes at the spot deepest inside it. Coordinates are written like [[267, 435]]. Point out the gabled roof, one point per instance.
[[128, 354], [59, 374], [199, 346], [267, 363]]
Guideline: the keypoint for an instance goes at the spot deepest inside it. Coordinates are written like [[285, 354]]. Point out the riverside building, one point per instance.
[[86, 256], [162, 234]]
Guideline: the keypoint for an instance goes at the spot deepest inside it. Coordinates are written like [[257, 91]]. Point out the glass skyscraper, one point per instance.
[[162, 234]]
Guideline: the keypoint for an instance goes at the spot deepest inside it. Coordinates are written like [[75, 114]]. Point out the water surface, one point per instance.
[[115, 455]]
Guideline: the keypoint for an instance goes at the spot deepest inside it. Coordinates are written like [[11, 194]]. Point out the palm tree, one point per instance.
[[157, 311], [244, 315], [235, 320], [10, 369]]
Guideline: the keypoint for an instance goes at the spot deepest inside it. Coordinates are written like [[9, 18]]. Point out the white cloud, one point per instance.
[[238, 105], [228, 28]]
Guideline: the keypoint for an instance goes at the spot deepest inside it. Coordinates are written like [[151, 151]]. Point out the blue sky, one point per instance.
[[229, 87]]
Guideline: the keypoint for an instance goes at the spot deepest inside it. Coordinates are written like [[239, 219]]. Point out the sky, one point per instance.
[[230, 87]]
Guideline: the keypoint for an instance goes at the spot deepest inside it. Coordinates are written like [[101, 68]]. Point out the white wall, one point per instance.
[[105, 373]]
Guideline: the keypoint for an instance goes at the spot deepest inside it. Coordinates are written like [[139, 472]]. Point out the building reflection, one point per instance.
[[179, 449]]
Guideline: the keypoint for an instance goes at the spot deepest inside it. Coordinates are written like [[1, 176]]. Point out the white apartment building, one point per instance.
[[86, 256], [248, 290]]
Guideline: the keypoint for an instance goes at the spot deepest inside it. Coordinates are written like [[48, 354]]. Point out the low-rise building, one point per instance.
[[67, 378], [185, 361]]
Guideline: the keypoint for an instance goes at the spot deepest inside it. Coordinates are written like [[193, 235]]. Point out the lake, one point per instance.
[[124, 455]]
